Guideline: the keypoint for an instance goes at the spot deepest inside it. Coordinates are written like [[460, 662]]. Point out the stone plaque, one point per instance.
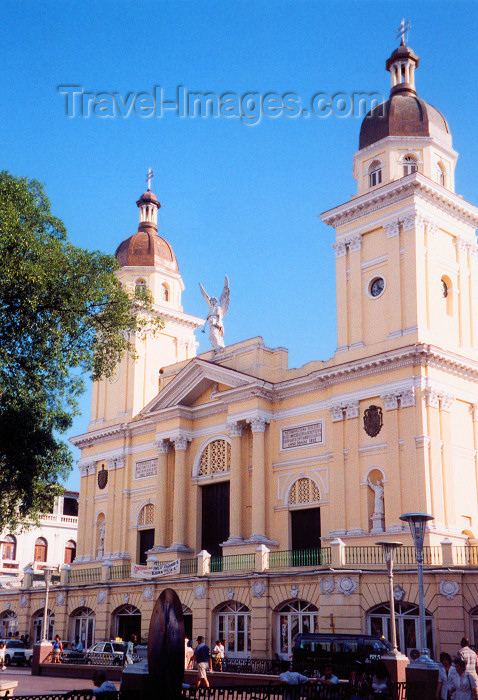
[[302, 435], [145, 468]]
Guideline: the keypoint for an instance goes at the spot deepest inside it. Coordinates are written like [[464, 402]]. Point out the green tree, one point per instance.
[[63, 313]]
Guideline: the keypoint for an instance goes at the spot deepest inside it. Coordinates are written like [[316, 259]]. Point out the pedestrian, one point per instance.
[[78, 646], [188, 654], [218, 653], [2, 655], [129, 650], [102, 684], [468, 655], [57, 649], [327, 677], [463, 684], [293, 679], [381, 682], [360, 683], [445, 674], [203, 660]]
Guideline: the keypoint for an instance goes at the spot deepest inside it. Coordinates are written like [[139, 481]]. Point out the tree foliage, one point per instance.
[[63, 313]]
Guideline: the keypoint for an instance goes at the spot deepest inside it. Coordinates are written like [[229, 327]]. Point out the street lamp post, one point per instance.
[[47, 573], [417, 522], [389, 549]]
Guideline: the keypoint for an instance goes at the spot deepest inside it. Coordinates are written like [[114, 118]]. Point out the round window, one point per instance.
[[376, 287]]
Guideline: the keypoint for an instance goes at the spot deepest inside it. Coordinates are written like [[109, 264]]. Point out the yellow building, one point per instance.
[[265, 488]]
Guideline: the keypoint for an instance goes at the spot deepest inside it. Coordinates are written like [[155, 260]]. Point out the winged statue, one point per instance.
[[217, 311]]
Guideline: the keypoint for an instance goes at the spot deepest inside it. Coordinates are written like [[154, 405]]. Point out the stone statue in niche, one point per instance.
[[378, 519], [101, 547]]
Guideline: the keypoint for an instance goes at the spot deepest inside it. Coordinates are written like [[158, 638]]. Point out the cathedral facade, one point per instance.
[[258, 492]]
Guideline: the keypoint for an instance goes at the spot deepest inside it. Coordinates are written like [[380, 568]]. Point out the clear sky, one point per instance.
[[237, 198]]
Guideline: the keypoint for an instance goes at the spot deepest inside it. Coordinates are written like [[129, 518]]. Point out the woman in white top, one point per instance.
[[3, 649], [445, 674], [462, 684]]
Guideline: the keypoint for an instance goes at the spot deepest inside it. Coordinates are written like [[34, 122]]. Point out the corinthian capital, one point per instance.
[[258, 424], [180, 443], [162, 447], [235, 429]]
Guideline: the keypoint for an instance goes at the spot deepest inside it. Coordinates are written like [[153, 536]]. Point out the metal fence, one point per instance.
[[233, 562], [299, 557], [84, 575]]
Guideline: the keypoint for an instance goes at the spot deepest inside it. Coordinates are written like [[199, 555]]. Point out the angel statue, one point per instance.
[[216, 314]]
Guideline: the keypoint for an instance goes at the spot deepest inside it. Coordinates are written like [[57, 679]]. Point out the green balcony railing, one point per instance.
[[189, 566], [232, 562], [84, 575], [121, 571], [299, 557]]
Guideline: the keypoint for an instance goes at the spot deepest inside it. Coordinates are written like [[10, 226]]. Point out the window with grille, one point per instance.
[[146, 517], [304, 491], [215, 459]]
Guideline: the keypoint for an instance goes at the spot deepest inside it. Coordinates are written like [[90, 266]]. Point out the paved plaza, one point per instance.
[[44, 685]]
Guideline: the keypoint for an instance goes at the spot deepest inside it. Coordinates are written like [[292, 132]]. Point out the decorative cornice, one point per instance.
[[416, 185]]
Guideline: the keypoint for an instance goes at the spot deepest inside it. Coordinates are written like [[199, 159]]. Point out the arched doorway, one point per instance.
[[37, 622], [407, 621], [126, 621], [82, 625], [188, 622], [293, 618], [8, 623], [214, 462], [233, 623]]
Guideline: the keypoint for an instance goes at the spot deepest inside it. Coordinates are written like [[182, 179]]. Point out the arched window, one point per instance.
[[216, 458], [126, 620], [9, 549], [146, 516], [410, 165], [296, 617], [139, 287], [407, 622], [164, 292], [446, 291], [375, 173], [8, 623], [441, 178], [41, 550], [233, 623], [304, 491], [70, 551], [83, 626], [37, 619]]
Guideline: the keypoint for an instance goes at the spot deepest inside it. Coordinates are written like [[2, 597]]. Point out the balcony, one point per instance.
[[337, 556]]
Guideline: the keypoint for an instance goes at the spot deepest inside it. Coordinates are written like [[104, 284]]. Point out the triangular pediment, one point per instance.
[[193, 381]]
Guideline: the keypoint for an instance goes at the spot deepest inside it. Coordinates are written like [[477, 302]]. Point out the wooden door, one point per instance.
[[215, 517]]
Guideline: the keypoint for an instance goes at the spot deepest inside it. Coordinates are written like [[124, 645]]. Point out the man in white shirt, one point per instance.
[[327, 677]]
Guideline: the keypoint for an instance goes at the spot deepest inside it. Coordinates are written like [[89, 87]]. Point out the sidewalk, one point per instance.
[[43, 685]]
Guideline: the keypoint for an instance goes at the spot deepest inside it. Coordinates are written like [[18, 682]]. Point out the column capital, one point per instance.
[[340, 249], [474, 411], [352, 409], [336, 412], [390, 401], [87, 468], [354, 242], [180, 442], [258, 424], [392, 228], [235, 429], [116, 461], [162, 446]]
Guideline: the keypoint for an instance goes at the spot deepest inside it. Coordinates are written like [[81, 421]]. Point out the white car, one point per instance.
[[15, 652]]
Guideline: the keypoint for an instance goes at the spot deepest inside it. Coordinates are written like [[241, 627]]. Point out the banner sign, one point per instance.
[[170, 567]]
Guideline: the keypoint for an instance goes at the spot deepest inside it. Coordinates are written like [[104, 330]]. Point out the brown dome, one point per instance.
[[148, 197], [403, 115], [146, 248]]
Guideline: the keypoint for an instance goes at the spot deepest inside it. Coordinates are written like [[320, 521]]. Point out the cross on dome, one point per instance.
[[402, 30], [149, 177]]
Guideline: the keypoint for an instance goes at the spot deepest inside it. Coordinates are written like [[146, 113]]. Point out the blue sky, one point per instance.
[[237, 199]]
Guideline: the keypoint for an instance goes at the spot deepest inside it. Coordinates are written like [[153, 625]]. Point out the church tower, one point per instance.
[[147, 261], [405, 244]]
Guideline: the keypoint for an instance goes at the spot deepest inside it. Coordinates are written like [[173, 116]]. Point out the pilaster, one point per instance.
[[179, 496], [236, 490], [160, 543], [258, 427]]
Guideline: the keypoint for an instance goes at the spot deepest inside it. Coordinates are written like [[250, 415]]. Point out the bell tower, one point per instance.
[[147, 261], [405, 247]]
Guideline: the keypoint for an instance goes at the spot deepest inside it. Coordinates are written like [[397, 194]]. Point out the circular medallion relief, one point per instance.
[[23, 601], [101, 597], [147, 593]]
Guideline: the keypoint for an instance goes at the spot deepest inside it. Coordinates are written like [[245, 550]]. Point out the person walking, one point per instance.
[[218, 653], [204, 662], [2, 655], [57, 649], [469, 656], [188, 654], [462, 685], [445, 674]]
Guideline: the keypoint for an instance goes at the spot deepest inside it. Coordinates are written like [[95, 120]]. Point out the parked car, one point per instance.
[[69, 655], [108, 653], [28, 656], [312, 651], [15, 652]]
